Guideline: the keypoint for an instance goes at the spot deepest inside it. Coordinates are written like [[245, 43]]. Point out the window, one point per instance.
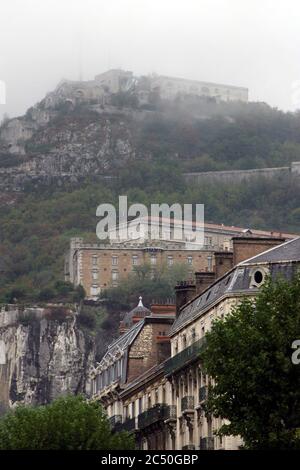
[[95, 290], [258, 277], [209, 263], [208, 241], [170, 260], [94, 260], [114, 260], [153, 260], [189, 260], [140, 405], [193, 335], [164, 395], [95, 276], [135, 260], [156, 396]]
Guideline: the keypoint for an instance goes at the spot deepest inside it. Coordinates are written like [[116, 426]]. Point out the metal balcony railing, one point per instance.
[[157, 413], [202, 393], [183, 358], [115, 420], [187, 403], [171, 412], [128, 425], [188, 447], [207, 443]]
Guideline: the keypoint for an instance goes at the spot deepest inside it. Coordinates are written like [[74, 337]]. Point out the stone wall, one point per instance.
[[238, 176]]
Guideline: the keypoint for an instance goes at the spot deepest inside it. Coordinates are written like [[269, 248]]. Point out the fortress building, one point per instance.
[[145, 88]]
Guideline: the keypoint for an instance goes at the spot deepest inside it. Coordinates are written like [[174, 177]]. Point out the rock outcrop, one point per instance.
[[43, 354]]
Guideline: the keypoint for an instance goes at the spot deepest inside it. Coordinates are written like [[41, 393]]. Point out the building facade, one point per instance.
[[169, 88], [164, 404], [99, 266]]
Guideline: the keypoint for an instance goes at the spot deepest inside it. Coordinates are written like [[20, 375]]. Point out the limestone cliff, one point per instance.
[[43, 353]]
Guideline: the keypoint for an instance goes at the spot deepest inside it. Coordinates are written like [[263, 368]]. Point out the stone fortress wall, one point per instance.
[[238, 176]]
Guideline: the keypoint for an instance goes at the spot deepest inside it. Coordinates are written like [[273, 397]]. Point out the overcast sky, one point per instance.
[[252, 43]]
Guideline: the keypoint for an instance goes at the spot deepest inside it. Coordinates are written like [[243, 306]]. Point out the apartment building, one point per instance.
[[162, 403]]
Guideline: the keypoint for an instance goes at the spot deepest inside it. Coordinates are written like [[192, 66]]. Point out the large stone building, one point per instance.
[[163, 404], [168, 88], [98, 266], [145, 88]]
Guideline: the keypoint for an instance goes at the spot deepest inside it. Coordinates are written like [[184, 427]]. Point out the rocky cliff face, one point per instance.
[[42, 355], [73, 144]]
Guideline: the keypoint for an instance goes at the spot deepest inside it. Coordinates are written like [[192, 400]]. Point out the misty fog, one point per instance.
[[251, 43]]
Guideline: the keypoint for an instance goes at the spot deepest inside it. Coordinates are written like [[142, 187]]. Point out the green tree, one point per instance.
[[68, 423], [248, 355]]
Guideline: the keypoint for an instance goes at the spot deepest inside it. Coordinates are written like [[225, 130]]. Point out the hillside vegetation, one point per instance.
[[173, 138]]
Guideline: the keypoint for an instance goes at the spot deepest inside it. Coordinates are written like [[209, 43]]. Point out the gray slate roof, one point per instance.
[[238, 280], [125, 340], [288, 251]]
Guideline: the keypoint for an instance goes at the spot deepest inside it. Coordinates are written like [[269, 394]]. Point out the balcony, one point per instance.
[[128, 425], [114, 421], [155, 414], [187, 404], [202, 394], [171, 413], [188, 447], [207, 443], [183, 358]]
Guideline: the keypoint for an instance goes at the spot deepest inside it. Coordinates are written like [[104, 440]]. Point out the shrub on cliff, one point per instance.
[[68, 423]]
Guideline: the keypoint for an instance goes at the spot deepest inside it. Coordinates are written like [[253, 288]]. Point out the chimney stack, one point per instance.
[[223, 262], [203, 280], [185, 291], [245, 247]]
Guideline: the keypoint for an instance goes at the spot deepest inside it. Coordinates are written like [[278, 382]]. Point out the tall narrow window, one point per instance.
[[170, 261], [209, 263], [153, 260]]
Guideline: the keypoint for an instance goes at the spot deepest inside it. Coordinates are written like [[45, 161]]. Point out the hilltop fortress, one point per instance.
[[145, 88]]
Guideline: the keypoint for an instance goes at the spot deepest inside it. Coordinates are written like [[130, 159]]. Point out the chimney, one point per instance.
[[184, 292], [223, 262], [245, 247], [203, 280]]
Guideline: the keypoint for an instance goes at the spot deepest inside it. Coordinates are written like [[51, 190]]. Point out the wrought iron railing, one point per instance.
[[183, 358], [207, 443], [187, 403], [157, 413], [127, 425], [115, 420], [171, 412]]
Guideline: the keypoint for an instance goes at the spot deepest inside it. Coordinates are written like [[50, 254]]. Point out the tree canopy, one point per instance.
[[248, 356], [68, 423]]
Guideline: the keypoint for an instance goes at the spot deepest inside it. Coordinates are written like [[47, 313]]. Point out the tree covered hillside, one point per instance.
[[35, 232]]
